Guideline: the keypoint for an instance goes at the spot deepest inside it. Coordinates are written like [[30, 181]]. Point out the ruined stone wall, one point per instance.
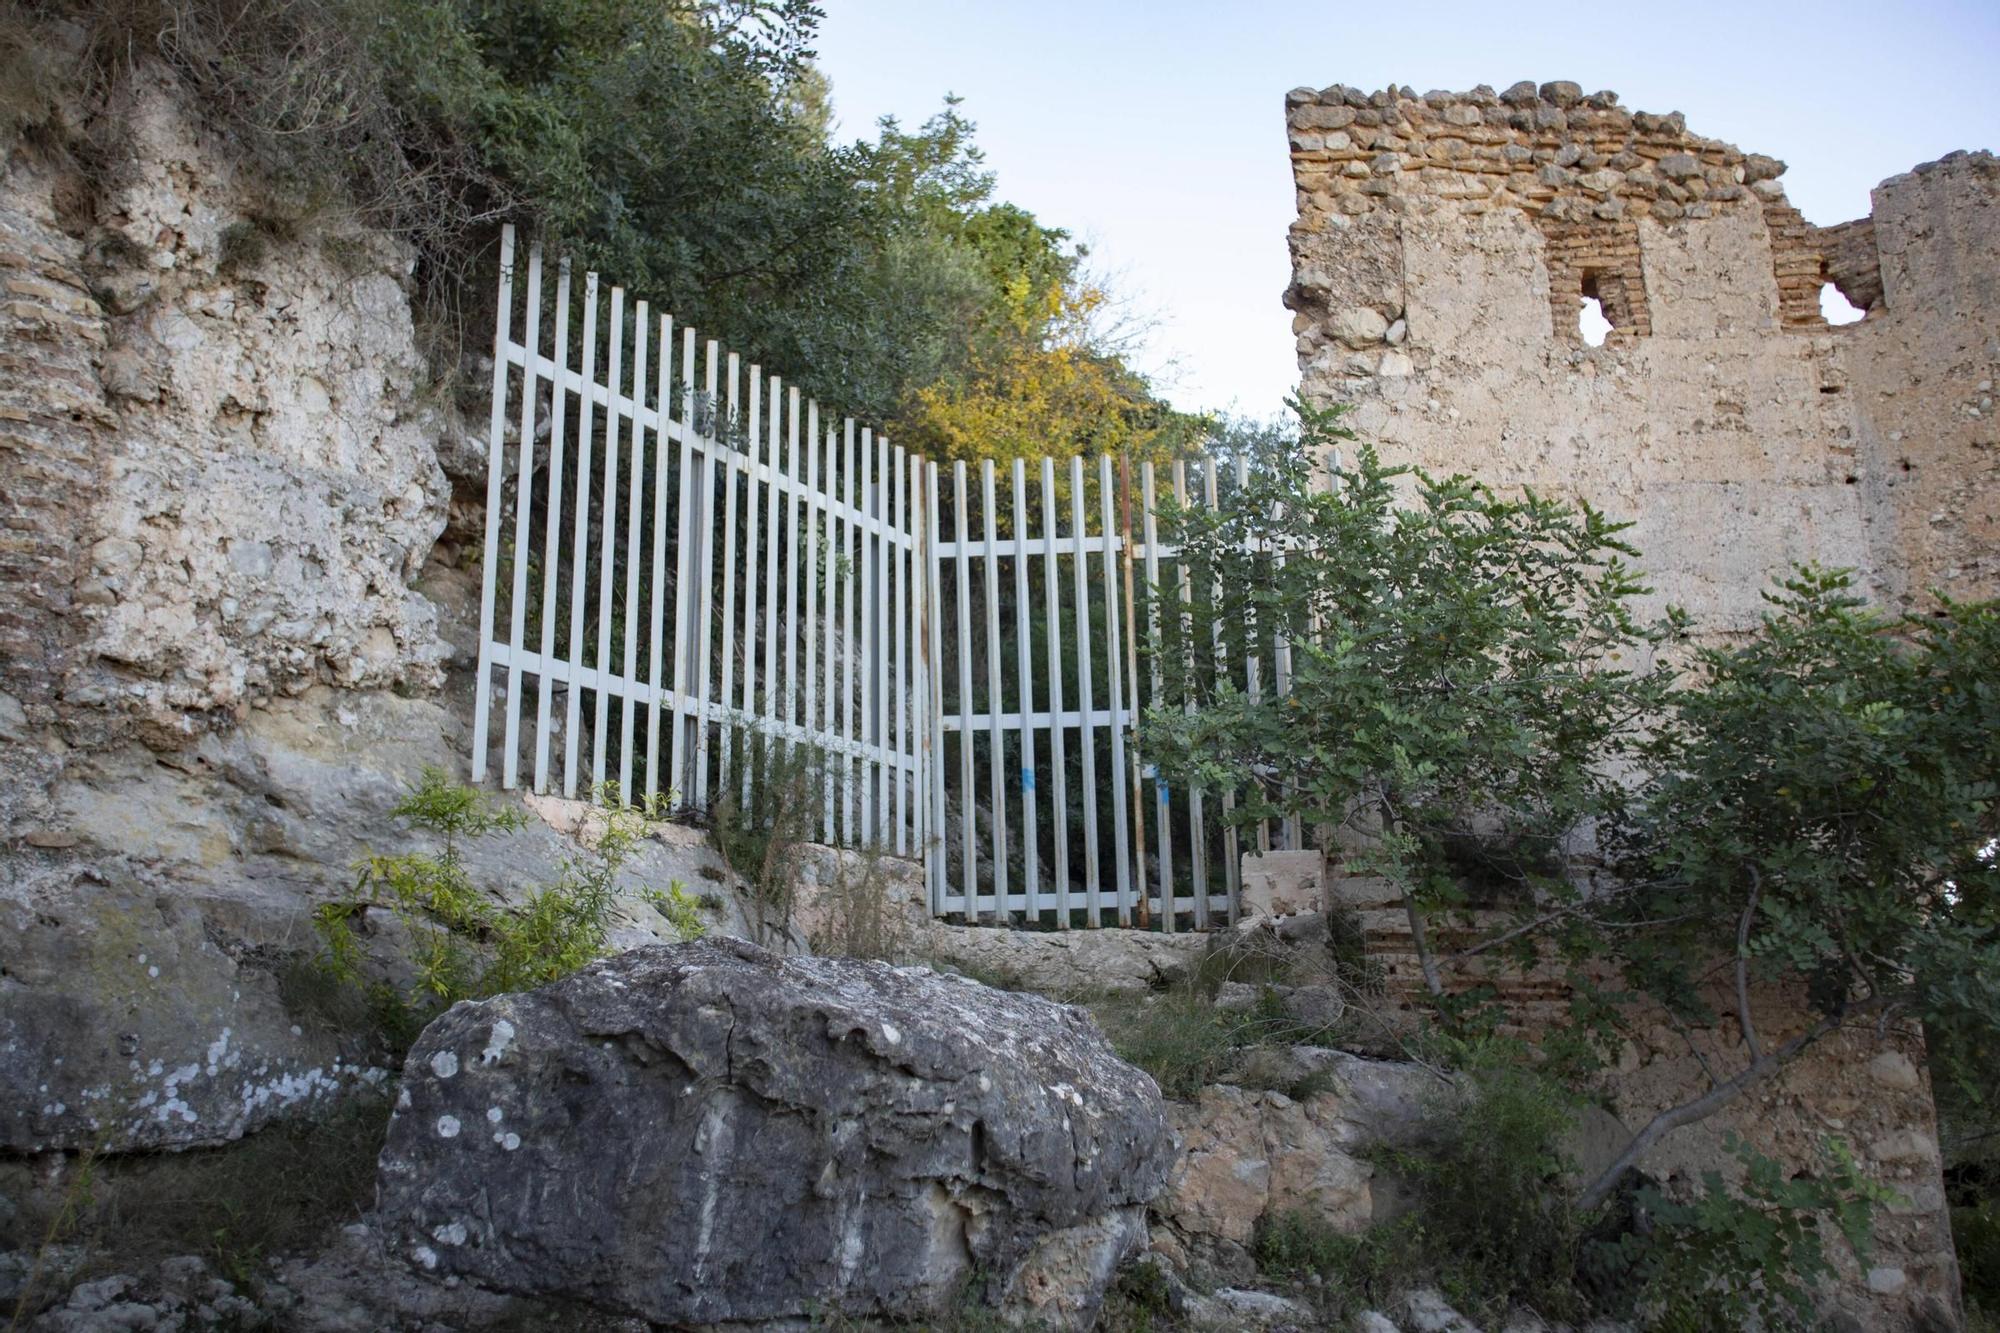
[[1443, 249], [1920, 375]]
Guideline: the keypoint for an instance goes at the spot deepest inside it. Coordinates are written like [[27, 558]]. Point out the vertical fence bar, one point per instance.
[[1058, 761], [1281, 660], [836, 641], [1197, 831], [1024, 651], [728, 431], [866, 647], [633, 511], [1128, 672], [810, 550], [793, 545], [851, 648], [580, 547], [552, 527], [489, 564], [996, 697], [883, 801], [685, 547], [1162, 798], [905, 606], [1093, 890], [773, 488], [968, 864], [657, 569], [934, 639], [524, 504], [1232, 856], [705, 577], [1120, 832], [608, 544], [1253, 662], [752, 529]]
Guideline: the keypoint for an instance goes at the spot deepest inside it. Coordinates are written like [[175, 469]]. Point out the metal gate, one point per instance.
[[694, 576]]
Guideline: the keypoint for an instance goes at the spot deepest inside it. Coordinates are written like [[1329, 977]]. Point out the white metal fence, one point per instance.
[[693, 575], [706, 556]]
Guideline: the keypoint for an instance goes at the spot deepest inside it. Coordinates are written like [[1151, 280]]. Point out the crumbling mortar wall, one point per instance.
[[1441, 252]]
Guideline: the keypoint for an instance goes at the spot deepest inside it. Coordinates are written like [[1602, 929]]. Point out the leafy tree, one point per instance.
[[1746, 1257], [1821, 813], [679, 147], [1810, 812], [1466, 671]]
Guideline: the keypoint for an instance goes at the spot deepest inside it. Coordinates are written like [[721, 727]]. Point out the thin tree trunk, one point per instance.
[[1702, 1107], [1417, 937]]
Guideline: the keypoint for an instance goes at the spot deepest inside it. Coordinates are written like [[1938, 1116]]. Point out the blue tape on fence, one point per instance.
[[1162, 789], [1027, 779]]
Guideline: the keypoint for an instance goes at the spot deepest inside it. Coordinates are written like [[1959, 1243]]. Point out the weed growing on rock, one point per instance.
[[1186, 1041], [764, 840], [1353, 1272], [459, 942], [1492, 1224]]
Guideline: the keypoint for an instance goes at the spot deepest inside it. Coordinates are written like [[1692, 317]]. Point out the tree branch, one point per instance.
[[1688, 1113]]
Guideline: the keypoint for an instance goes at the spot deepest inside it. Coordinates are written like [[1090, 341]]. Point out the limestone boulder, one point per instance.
[[710, 1133], [1248, 1154], [1066, 964]]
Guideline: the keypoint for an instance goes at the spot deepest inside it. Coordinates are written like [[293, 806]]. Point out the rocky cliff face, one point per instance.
[[219, 485], [220, 447]]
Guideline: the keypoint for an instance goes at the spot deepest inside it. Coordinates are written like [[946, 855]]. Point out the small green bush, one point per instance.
[[1500, 1222], [463, 942], [1748, 1257], [1185, 1042], [1975, 1233], [1354, 1272]]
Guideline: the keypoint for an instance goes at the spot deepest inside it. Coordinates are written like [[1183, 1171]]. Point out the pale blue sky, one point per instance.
[[1155, 131]]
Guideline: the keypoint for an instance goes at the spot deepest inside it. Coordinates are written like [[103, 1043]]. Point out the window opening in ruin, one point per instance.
[[1836, 308], [1591, 321]]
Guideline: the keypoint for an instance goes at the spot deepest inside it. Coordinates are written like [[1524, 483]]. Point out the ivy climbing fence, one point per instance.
[[701, 588]]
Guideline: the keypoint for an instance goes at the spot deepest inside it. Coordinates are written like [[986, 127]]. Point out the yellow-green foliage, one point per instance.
[[463, 941]]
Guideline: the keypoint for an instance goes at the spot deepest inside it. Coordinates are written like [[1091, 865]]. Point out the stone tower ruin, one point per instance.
[[1445, 245], [1445, 248]]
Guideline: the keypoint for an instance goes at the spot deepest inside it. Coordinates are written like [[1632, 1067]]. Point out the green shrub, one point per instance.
[[1186, 1042], [765, 840], [1178, 1037], [1353, 1272], [1491, 1222], [1745, 1257], [1492, 1187], [463, 943], [1975, 1232]]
